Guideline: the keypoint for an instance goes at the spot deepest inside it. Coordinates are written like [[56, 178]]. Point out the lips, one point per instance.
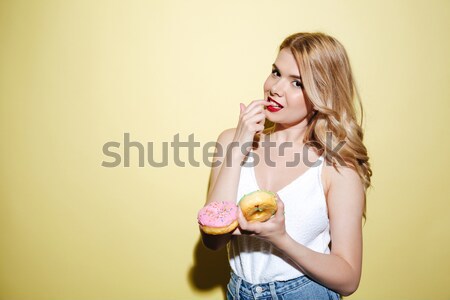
[[275, 103], [275, 106]]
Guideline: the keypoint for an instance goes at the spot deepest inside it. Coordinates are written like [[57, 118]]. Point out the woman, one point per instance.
[[312, 247]]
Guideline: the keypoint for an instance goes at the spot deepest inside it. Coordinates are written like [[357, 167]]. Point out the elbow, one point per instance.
[[349, 281], [211, 244], [347, 292], [212, 247], [214, 242], [349, 289]]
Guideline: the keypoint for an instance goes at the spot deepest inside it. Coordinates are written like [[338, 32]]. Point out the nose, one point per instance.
[[277, 88]]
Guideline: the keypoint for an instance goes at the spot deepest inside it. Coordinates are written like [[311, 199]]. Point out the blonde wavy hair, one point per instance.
[[329, 85]]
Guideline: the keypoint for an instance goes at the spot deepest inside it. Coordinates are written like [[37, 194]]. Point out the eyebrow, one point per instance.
[[293, 76]]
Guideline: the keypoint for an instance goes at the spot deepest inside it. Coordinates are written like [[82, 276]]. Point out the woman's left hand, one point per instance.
[[272, 230]]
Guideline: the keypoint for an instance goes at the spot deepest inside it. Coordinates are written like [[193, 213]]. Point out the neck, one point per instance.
[[283, 133]]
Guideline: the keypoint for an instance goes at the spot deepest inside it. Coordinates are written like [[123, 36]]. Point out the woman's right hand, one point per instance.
[[251, 121]]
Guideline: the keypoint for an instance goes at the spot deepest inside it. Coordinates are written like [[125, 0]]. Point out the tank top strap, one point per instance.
[[320, 170]]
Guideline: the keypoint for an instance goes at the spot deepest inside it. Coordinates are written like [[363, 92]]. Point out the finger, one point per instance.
[[257, 103], [242, 106], [255, 123], [280, 207], [257, 109], [243, 223], [258, 119], [279, 199], [254, 110], [241, 219]]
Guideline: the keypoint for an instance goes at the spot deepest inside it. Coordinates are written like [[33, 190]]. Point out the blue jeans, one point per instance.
[[301, 288]]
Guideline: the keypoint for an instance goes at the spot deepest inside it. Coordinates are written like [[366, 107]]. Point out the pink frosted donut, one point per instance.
[[218, 217]]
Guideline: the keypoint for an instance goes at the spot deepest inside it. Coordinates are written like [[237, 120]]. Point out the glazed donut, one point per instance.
[[259, 205], [218, 217]]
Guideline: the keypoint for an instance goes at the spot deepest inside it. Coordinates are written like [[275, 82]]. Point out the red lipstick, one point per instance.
[[275, 107]]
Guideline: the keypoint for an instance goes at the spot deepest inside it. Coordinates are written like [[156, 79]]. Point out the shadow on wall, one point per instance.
[[210, 269]]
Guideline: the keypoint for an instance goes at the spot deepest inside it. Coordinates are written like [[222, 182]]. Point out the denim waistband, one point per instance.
[[262, 290]]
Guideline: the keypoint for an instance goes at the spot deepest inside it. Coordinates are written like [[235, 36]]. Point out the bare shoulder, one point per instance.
[[342, 183], [227, 134], [225, 138], [339, 175]]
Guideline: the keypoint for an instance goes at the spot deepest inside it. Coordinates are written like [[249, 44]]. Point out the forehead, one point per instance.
[[286, 62]]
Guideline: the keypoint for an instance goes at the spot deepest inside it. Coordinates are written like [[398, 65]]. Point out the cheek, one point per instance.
[[267, 85], [298, 99]]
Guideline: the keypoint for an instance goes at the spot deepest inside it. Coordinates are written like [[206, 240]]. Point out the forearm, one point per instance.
[[226, 185], [330, 270], [225, 189]]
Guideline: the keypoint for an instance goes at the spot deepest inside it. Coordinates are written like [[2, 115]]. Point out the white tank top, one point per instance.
[[306, 216]]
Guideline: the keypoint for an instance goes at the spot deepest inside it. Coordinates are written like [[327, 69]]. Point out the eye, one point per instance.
[[275, 72], [298, 84]]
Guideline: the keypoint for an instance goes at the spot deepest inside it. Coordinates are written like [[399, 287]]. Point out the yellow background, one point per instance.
[[75, 75]]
